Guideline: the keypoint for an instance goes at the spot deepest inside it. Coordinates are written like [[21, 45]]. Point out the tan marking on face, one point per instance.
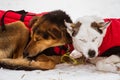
[[75, 28], [97, 26], [46, 35]]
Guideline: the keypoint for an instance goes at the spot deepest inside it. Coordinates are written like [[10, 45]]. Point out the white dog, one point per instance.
[[89, 39]]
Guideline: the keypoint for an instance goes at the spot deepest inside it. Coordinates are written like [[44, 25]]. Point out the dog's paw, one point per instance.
[[111, 64], [75, 54], [109, 67], [118, 66]]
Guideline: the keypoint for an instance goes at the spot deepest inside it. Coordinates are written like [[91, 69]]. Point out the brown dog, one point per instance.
[[47, 31]]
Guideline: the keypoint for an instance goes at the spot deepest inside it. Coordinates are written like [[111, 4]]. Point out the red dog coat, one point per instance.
[[12, 16], [112, 37]]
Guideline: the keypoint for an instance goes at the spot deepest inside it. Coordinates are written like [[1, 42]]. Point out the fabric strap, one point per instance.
[[22, 12]]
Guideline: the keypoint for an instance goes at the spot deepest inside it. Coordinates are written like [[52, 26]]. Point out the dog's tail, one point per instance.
[[24, 64]]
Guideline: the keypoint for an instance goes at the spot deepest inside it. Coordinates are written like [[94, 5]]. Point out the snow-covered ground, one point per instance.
[[75, 8], [61, 72]]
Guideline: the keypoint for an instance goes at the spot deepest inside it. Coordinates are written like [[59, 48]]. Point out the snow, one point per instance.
[[61, 72], [75, 8]]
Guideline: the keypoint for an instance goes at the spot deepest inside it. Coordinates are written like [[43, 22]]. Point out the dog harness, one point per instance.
[[12, 16], [112, 36], [61, 50]]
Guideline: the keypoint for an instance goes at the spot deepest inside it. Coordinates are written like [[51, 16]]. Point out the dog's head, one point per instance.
[[47, 31], [87, 34]]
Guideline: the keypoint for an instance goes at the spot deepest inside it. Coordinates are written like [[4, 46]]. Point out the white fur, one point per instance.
[[75, 54], [83, 42], [88, 34], [111, 63]]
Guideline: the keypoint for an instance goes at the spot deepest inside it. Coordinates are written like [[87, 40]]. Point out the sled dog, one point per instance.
[[92, 37], [18, 52]]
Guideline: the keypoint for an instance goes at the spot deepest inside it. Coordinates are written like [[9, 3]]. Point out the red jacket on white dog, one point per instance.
[[112, 37]]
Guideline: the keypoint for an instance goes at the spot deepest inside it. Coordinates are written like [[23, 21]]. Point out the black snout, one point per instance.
[[25, 54], [91, 53]]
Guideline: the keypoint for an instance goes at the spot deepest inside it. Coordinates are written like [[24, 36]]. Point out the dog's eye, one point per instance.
[[37, 39], [83, 40], [45, 36], [38, 32], [93, 40]]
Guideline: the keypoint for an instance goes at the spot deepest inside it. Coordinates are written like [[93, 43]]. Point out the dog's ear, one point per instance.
[[101, 26], [33, 24], [73, 28], [104, 25], [69, 27], [76, 28], [33, 21]]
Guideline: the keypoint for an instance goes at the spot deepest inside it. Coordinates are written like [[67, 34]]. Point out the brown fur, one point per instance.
[[47, 31], [75, 28], [13, 40], [97, 26], [46, 35]]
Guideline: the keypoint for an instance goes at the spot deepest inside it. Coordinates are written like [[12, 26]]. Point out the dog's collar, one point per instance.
[[60, 50]]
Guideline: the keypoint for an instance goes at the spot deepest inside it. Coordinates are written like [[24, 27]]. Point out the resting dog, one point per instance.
[[92, 36], [47, 31]]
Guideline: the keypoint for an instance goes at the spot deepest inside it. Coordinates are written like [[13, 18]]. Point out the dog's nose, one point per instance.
[[91, 53], [25, 54]]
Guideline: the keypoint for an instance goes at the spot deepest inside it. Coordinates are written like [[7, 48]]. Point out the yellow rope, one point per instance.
[[67, 59]]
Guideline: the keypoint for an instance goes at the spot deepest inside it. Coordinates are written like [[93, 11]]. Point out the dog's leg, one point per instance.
[[24, 64], [75, 54], [18, 53], [111, 64], [21, 43]]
